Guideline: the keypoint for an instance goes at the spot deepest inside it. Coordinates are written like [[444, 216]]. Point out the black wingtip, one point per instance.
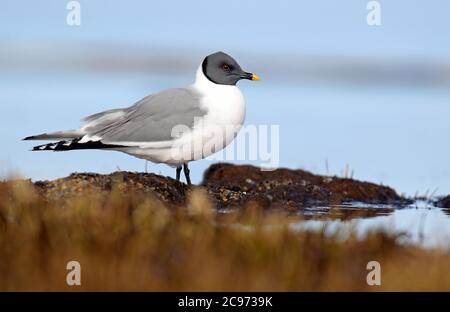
[[69, 145], [28, 138], [38, 148]]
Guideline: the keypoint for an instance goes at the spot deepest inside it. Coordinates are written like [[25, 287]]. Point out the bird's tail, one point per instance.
[[75, 144], [59, 135]]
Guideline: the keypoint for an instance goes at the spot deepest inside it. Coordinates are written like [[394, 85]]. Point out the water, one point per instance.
[[419, 223]]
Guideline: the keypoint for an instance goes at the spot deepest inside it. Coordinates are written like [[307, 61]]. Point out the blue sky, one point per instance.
[[395, 134], [409, 28]]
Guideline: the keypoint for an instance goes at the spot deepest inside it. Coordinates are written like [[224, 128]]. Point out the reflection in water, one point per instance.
[[346, 211], [419, 223]]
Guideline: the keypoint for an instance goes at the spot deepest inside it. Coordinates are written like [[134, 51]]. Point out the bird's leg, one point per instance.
[[186, 173], [178, 173]]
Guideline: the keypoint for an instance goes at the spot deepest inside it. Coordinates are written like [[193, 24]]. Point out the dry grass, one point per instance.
[[131, 242]]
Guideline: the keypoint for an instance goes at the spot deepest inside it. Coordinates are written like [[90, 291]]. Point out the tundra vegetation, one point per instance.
[[128, 240]]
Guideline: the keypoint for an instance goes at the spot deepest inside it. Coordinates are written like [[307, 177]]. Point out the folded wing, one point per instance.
[[152, 119]]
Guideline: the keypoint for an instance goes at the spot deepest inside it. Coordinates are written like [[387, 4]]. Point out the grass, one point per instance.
[[134, 242]]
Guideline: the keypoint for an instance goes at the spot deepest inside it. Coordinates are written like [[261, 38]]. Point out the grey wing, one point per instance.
[[152, 119], [99, 121]]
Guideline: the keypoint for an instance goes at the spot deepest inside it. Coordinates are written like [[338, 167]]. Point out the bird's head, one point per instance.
[[222, 69]]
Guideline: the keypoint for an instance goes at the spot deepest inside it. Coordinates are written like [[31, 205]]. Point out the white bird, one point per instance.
[[174, 126]]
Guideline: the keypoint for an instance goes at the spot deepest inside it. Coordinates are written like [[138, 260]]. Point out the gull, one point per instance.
[[174, 126]]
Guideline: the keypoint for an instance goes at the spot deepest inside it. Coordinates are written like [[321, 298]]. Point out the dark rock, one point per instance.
[[443, 202], [291, 188]]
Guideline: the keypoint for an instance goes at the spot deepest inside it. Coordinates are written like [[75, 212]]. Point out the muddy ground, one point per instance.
[[231, 186]]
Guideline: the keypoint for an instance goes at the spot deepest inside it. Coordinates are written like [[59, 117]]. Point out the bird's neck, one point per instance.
[[203, 84]]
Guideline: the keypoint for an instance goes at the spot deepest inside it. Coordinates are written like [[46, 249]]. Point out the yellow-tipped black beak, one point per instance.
[[250, 76], [255, 77]]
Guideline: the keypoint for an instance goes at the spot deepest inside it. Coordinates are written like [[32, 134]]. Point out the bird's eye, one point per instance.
[[226, 67]]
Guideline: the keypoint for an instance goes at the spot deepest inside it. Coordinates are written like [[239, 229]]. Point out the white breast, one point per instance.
[[225, 105]]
